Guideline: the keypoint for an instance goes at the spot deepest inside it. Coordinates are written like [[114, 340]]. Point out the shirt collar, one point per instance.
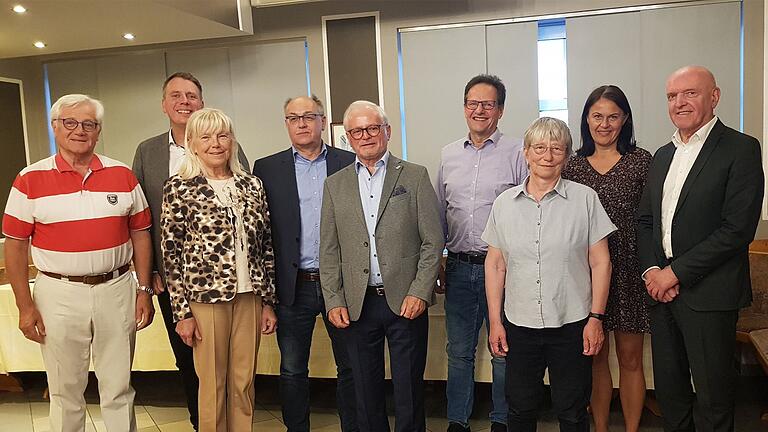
[[522, 189], [491, 140], [64, 166], [380, 163], [700, 135], [320, 157], [171, 142]]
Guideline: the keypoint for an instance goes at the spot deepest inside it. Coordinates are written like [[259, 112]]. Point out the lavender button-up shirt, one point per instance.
[[469, 180]]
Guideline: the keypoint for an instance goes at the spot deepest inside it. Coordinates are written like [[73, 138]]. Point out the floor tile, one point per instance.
[[269, 426], [260, 415], [179, 426], [163, 415]]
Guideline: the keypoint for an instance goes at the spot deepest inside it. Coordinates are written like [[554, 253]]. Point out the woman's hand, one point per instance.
[[593, 337], [268, 320], [188, 331], [497, 340]]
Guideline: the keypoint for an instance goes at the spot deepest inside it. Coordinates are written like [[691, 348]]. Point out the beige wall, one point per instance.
[[305, 21]]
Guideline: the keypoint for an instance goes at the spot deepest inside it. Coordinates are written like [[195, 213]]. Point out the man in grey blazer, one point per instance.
[[380, 247], [157, 159]]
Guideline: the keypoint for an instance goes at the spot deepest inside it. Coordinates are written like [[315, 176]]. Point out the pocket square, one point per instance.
[[399, 190]]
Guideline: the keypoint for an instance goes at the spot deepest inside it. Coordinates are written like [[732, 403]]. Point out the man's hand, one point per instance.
[[497, 340], [339, 317], [188, 331], [145, 310], [268, 320], [157, 283], [660, 282], [412, 307], [31, 324], [593, 337], [440, 285]]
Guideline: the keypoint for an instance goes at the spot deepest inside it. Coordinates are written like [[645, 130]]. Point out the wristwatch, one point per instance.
[[597, 316], [146, 289]]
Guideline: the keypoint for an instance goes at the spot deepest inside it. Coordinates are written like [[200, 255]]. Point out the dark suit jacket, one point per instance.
[[278, 174], [714, 222], [150, 165]]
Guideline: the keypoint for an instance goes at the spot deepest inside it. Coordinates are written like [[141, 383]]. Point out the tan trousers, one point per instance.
[[83, 322], [225, 361]]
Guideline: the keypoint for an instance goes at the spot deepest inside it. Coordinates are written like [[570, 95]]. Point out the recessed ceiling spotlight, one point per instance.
[[19, 9], [129, 36], [40, 44]]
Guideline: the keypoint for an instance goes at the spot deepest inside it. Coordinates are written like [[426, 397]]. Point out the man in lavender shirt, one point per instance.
[[473, 171]]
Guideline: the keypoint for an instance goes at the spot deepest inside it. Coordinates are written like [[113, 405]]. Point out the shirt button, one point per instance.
[[365, 244], [365, 271], [537, 242], [538, 281]]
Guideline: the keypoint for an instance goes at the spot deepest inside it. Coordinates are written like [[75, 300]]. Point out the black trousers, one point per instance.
[[701, 344], [407, 343], [531, 352], [183, 354]]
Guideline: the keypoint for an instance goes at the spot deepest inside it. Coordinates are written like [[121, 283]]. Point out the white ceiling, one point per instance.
[[76, 25]]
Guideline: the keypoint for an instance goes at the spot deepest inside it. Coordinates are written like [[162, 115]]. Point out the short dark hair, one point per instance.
[[184, 75], [314, 99], [626, 142], [493, 80]]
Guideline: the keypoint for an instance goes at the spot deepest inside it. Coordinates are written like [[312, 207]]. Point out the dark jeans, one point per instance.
[[295, 325], [559, 350], [407, 343], [694, 343], [183, 354]]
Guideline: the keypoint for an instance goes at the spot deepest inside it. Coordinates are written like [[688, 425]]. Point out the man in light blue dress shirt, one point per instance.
[[474, 170]]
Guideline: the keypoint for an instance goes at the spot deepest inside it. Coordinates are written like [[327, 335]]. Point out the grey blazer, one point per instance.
[[409, 238], [150, 165]]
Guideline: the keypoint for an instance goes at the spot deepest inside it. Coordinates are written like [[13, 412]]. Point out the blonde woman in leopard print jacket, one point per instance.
[[219, 265]]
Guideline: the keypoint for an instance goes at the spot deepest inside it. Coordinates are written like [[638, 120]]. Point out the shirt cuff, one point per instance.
[[647, 270]]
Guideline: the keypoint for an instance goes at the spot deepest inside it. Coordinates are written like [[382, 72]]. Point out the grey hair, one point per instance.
[[547, 129], [365, 105], [72, 100], [207, 121], [312, 97]]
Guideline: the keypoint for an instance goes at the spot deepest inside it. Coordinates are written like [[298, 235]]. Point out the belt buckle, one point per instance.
[[379, 290]]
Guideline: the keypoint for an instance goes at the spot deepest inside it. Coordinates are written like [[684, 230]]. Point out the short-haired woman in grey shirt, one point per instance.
[[548, 262]]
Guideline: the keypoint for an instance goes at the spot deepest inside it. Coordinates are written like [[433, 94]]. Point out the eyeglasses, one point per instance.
[[72, 124], [373, 130], [473, 104], [612, 119], [540, 149], [308, 118]]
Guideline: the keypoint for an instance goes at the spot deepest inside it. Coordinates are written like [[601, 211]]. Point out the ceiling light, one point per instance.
[[19, 9], [40, 44], [129, 36]]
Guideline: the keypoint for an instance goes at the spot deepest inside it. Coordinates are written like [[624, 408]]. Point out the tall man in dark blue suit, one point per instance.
[[293, 179], [697, 216]]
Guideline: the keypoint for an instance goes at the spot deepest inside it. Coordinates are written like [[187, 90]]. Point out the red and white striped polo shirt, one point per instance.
[[78, 225]]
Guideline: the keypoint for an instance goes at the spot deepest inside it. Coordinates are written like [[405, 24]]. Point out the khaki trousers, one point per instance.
[[84, 322], [225, 361]]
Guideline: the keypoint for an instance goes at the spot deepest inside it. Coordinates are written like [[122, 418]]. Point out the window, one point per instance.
[[553, 77]]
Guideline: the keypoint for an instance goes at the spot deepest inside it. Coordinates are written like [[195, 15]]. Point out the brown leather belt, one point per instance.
[[309, 276], [90, 279]]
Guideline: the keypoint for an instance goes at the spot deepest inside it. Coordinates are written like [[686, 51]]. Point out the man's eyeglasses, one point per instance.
[[557, 150], [473, 104], [72, 124], [308, 118], [373, 130]]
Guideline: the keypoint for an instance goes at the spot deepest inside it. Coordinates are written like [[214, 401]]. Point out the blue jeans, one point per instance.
[[465, 310], [294, 337]]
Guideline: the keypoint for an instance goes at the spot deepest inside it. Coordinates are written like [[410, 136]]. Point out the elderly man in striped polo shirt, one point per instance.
[[85, 217]]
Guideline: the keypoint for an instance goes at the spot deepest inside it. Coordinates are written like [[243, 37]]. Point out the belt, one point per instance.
[[471, 257], [90, 279], [375, 290], [309, 275]]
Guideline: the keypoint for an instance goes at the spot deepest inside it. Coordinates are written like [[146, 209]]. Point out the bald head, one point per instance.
[[692, 95]]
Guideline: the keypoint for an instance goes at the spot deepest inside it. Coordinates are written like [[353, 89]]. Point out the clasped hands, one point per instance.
[[411, 308], [662, 284]]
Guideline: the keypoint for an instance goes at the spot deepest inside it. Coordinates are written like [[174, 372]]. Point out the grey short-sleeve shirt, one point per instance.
[[546, 249]]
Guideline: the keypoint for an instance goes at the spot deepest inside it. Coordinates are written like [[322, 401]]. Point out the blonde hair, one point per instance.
[[209, 121], [547, 129]]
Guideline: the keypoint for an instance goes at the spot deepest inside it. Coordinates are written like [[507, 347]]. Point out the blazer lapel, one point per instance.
[[394, 168], [163, 159], [706, 151], [291, 188], [351, 184], [331, 162], [665, 161]]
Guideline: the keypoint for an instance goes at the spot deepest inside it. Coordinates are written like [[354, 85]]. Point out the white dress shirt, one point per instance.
[[176, 155], [682, 161]]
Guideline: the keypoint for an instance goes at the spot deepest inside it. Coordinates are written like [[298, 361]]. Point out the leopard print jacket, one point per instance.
[[198, 243]]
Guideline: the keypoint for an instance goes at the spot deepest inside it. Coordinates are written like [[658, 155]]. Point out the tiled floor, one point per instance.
[[160, 407]]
